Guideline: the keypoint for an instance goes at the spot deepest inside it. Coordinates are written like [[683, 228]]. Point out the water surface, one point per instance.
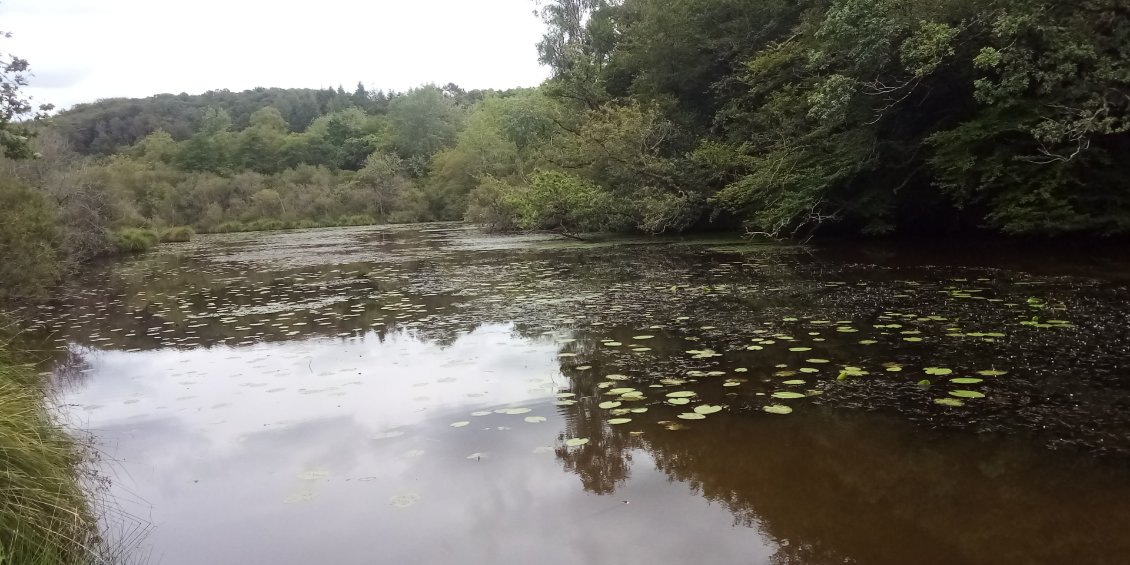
[[435, 395]]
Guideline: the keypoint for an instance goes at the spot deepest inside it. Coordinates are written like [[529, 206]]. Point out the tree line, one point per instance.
[[779, 117]]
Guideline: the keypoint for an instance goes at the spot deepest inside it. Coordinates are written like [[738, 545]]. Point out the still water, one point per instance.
[[436, 395]]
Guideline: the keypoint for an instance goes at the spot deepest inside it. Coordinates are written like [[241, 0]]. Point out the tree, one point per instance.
[[15, 107]]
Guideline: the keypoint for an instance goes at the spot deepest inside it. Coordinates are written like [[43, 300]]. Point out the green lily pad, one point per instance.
[[787, 395], [967, 394], [608, 404], [681, 394], [618, 421], [800, 349], [460, 424], [535, 419], [817, 361], [642, 337], [955, 402], [513, 411], [705, 409], [992, 373], [576, 441], [794, 382], [966, 381], [778, 409], [692, 416], [938, 371], [679, 401], [638, 410]]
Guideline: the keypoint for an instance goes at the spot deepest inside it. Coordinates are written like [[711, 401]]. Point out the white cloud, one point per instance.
[[82, 50]]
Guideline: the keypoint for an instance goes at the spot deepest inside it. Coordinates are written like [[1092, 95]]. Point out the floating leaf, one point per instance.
[[679, 401], [966, 381], [967, 394], [681, 394], [788, 395], [638, 410], [794, 382], [642, 337], [938, 371], [608, 404], [778, 409], [817, 361], [705, 409], [618, 421], [692, 416], [955, 402], [992, 373], [535, 419], [576, 441], [622, 390], [800, 349], [513, 411], [460, 424]]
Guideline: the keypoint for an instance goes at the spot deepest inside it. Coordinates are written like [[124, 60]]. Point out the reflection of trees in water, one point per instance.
[[71, 368], [860, 489]]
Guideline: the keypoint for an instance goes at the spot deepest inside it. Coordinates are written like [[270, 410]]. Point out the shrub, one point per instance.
[[29, 240]]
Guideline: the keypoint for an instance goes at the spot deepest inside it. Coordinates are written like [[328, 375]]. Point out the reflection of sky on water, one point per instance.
[[216, 442]]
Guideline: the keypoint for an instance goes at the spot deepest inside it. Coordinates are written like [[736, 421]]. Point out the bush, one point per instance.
[[29, 240], [357, 220], [177, 234], [136, 240]]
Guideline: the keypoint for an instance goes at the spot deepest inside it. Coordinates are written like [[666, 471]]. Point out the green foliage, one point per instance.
[[560, 201], [29, 239], [136, 240], [177, 234]]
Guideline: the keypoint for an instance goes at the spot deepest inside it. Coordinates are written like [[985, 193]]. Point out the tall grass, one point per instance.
[[45, 516], [136, 240], [178, 233]]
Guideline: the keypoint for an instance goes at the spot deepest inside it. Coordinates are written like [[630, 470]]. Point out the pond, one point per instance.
[[432, 394]]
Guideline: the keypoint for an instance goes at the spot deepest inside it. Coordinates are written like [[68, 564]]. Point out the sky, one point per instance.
[[84, 50]]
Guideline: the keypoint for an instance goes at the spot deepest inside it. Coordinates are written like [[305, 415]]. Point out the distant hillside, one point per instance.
[[105, 126]]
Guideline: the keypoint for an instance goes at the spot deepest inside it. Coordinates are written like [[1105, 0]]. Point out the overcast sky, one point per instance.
[[83, 50]]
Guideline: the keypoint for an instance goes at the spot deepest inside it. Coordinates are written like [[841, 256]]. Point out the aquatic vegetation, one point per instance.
[[777, 409]]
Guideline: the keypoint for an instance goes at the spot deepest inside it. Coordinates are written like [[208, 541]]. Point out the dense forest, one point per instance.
[[779, 117]]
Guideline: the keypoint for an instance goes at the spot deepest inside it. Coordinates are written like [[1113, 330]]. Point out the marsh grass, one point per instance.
[[136, 240], [44, 513], [177, 234]]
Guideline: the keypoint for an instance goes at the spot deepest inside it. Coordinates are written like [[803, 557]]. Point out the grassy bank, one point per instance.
[[45, 516]]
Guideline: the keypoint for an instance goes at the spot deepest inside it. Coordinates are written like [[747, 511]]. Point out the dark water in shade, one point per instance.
[[289, 398]]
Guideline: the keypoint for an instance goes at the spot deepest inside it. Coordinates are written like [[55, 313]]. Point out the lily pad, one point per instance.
[[966, 381], [460, 424], [535, 419], [576, 441], [692, 416], [705, 409], [787, 395], [681, 394], [608, 404], [778, 409], [618, 421], [955, 402], [800, 349], [679, 401], [992, 373], [967, 394], [794, 382], [938, 371]]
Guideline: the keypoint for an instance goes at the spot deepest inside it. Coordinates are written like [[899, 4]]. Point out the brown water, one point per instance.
[[407, 395]]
